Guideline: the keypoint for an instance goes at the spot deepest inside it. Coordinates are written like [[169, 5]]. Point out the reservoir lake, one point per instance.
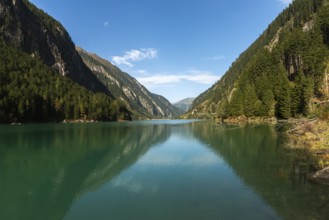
[[161, 169]]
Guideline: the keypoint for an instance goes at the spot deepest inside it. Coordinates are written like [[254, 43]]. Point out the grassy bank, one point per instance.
[[313, 136]]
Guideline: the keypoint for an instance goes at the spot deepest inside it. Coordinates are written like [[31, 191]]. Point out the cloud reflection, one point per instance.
[[176, 160]]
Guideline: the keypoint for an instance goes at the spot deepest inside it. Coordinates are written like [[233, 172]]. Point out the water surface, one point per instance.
[[152, 170]]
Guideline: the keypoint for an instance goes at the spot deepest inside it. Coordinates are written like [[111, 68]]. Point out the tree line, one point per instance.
[[31, 91]]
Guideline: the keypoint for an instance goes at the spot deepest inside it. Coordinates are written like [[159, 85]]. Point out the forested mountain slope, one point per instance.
[[283, 73], [42, 77], [31, 30], [128, 89]]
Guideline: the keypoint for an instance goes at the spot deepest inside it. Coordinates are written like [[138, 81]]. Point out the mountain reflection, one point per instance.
[[257, 156], [45, 168]]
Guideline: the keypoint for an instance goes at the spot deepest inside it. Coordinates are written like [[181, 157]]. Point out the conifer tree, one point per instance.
[[250, 101], [284, 97], [268, 100], [236, 104]]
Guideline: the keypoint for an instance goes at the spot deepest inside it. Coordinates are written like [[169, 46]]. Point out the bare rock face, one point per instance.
[[321, 176], [24, 26], [128, 89]]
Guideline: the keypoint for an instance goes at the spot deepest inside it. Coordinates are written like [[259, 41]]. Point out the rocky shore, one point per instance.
[[249, 120], [309, 135], [313, 136]]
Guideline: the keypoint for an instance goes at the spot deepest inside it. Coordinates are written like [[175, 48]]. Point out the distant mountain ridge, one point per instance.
[[184, 104], [128, 89]]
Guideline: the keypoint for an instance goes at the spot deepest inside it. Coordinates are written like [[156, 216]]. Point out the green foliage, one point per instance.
[[323, 23], [284, 101], [268, 103], [301, 95], [236, 105], [282, 70], [31, 92], [250, 101], [222, 109], [323, 111]]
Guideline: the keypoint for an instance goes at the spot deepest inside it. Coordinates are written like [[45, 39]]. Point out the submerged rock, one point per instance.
[[321, 176]]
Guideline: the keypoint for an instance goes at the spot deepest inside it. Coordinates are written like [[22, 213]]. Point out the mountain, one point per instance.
[[128, 89], [184, 104], [42, 76], [31, 30], [284, 73]]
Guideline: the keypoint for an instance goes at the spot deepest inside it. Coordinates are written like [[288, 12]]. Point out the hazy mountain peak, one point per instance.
[[184, 104]]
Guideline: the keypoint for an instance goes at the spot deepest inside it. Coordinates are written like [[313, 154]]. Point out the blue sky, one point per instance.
[[176, 48]]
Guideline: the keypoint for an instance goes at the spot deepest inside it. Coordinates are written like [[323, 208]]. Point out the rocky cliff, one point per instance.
[[128, 89], [29, 29]]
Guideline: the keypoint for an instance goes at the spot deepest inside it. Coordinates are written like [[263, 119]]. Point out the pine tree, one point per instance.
[[283, 105], [222, 109], [323, 23], [308, 92], [250, 101], [297, 95], [284, 97], [236, 104], [301, 95], [268, 101]]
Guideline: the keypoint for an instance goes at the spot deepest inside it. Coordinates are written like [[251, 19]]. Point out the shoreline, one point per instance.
[[249, 120], [307, 135], [312, 135]]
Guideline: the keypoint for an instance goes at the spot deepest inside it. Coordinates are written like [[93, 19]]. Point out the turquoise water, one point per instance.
[[153, 170]]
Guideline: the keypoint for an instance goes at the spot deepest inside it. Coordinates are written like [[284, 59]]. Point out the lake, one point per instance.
[[166, 169]]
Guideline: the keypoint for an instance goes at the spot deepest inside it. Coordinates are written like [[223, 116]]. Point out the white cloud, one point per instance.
[[159, 79], [196, 76], [134, 56], [106, 24], [171, 160], [134, 184], [204, 78], [216, 58], [142, 72], [285, 2]]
